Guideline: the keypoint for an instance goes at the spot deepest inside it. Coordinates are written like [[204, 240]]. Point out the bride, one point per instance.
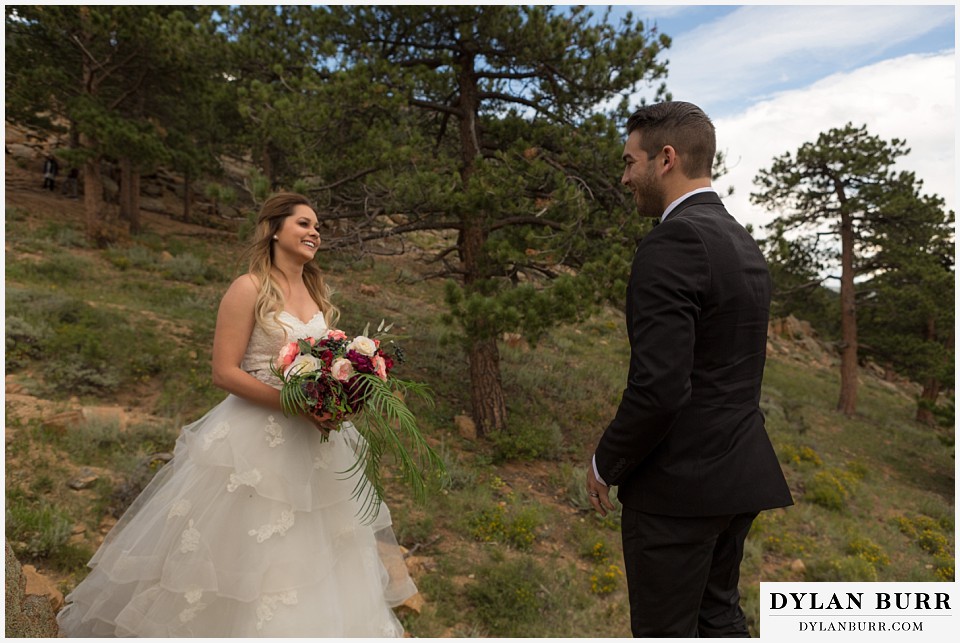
[[252, 529]]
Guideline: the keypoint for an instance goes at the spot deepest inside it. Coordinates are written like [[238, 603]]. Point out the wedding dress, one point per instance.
[[251, 530]]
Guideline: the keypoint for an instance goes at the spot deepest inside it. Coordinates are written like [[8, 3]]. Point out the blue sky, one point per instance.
[[772, 77]]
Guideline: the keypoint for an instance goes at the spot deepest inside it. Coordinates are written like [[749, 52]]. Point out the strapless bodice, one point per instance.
[[267, 340]]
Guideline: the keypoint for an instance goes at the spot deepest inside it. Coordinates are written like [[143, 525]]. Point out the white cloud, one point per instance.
[[910, 98], [757, 49]]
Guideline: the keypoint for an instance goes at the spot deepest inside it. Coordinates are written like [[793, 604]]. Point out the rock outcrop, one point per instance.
[[27, 615]]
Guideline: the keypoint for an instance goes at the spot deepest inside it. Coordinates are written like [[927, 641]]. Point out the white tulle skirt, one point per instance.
[[251, 530]]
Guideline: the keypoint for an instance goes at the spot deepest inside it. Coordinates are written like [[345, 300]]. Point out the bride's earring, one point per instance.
[[276, 238]]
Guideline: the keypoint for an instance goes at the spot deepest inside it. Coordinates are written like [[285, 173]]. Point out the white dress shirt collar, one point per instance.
[[672, 206]]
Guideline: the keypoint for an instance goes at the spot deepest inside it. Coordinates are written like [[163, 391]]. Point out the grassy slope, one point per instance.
[[508, 547]]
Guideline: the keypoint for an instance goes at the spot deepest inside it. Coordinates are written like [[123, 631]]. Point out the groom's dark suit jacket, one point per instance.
[[688, 438]]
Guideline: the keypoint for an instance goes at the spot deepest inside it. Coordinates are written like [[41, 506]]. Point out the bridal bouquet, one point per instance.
[[350, 377]]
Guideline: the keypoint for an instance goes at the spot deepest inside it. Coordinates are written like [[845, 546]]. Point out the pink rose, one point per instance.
[[336, 334], [380, 367], [342, 369], [287, 354]]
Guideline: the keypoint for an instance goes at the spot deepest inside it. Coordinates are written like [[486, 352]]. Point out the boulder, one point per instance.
[[85, 480], [153, 204], [40, 585], [413, 604], [466, 427], [798, 567], [22, 152]]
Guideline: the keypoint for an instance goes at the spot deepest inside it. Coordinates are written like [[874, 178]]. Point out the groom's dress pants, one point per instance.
[[682, 574]]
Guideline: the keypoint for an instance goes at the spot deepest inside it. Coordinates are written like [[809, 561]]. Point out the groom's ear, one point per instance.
[[668, 158]]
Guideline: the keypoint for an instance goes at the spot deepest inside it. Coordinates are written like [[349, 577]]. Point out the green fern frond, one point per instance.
[[381, 422]]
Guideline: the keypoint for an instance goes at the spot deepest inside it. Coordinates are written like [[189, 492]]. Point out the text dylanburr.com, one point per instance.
[[911, 611]]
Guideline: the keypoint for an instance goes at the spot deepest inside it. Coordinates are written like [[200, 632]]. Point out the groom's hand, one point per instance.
[[599, 493]]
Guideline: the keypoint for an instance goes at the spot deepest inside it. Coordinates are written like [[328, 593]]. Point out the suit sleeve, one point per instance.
[[667, 281]]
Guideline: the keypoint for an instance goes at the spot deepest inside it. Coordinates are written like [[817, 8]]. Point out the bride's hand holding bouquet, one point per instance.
[[334, 378]]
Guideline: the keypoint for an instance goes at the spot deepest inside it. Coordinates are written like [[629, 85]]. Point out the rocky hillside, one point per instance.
[[513, 521]]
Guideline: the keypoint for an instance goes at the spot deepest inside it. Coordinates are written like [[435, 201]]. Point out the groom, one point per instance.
[[688, 448]]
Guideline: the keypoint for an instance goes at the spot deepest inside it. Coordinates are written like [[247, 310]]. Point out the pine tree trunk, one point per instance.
[[931, 385], [267, 162], [93, 198], [488, 404], [928, 399], [130, 194], [99, 230], [135, 222], [848, 321], [187, 197]]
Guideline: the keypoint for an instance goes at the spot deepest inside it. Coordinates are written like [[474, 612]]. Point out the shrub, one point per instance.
[[933, 542], [825, 490], [847, 569], [37, 530], [868, 551], [605, 580], [832, 488], [528, 442], [24, 342], [91, 442], [61, 269], [508, 597], [189, 268], [945, 569], [70, 238], [598, 552], [495, 525], [133, 257], [81, 349], [928, 533], [799, 455], [458, 475]]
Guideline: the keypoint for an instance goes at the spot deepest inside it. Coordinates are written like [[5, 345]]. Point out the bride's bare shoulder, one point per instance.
[[242, 292]]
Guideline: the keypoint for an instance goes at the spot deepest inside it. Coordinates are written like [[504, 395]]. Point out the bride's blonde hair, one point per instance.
[[270, 301]]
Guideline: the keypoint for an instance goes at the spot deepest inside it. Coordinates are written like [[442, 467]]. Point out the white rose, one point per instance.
[[303, 364], [342, 369], [363, 345]]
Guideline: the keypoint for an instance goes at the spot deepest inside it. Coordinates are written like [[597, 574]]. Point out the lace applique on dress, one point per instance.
[[269, 529], [193, 596], [218, 433], [322, 461], [268, 605], [179, 509], [274, 432], [189, 539], [248, 478]]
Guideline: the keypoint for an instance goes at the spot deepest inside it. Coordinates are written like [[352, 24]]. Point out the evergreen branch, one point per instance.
[[437, 107], [526, 221]]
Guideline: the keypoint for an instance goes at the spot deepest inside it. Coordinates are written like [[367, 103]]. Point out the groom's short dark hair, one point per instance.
[[681, 125]]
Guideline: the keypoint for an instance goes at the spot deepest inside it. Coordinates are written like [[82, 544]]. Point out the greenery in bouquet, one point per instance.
[[349, 378]]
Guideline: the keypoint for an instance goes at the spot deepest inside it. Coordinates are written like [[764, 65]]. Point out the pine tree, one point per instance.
[[108, 71], [831, 191], [499, 140], [908, 316]]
